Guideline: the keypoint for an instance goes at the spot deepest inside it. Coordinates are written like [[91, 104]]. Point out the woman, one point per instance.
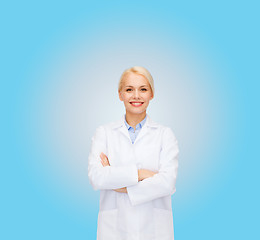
[[133, 162]]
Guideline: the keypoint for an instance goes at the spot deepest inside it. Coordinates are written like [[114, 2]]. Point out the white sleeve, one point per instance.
[[109, 177], [162, 183]]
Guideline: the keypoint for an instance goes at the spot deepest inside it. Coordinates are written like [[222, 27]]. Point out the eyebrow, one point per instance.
[[140, 86]]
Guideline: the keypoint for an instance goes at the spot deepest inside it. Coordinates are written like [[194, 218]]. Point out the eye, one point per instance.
[[144, 89], [129, 89]]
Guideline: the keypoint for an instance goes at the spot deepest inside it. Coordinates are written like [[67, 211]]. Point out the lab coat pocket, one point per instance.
[[107, 222], [163, 221]]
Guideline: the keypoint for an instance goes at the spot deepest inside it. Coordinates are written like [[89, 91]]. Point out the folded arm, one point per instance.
[[109, 177], [142, 173], [162, 183]]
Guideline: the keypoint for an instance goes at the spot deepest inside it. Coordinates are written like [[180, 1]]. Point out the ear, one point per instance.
[[120, 96]]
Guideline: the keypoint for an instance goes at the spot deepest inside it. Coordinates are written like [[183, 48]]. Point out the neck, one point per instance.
[[134, 119]]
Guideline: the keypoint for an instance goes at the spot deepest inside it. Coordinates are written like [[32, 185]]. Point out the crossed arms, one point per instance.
[[142, 173], [141, 185]]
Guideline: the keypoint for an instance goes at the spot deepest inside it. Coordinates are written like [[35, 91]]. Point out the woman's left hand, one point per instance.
[[121, 190], [105, 162]]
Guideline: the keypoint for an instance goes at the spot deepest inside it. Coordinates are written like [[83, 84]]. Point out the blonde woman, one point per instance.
[[134, 162]]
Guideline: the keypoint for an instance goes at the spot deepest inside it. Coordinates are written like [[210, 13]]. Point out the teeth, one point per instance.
[[136, 104]]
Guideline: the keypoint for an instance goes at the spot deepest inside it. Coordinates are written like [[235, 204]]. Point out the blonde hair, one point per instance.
[[137, 70]]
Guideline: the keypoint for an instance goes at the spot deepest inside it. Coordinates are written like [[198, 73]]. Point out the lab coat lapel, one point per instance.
[[122, 127], [144, 129]]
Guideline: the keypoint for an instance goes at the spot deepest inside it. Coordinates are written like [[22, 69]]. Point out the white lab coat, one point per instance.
[[145, 211]]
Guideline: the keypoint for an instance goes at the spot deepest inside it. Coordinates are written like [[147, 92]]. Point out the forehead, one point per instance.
[[135, 80]]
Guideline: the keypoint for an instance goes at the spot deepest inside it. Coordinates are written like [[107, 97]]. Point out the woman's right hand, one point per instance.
[[145, 173]]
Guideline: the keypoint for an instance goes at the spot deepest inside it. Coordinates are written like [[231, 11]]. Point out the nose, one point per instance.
[[136, 93]]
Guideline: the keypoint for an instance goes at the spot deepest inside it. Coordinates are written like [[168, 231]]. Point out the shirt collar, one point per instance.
[[149, 122], [139, 125]]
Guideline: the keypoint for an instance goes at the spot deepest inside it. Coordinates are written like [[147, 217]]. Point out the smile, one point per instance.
[[136, 104]]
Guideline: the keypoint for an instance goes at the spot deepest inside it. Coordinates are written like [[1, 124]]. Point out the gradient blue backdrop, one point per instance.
[[60, 64]]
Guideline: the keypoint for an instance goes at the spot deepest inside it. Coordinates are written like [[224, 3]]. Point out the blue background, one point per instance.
[[60, 63]]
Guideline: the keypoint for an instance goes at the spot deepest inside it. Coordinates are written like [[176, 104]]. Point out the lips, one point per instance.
[[136, 104]]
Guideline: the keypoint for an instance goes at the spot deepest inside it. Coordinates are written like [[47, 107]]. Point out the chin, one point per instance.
[[137, 111]]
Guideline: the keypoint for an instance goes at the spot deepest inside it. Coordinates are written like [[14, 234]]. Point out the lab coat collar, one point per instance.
[[148, 123]]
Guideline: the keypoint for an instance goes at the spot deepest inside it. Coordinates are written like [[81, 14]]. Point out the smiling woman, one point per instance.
[[134, 162], [136, 91]]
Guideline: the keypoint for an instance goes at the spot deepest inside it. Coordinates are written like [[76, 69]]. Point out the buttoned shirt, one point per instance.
[[133, 133]]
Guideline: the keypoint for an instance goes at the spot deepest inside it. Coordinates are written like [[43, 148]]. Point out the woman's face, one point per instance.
[[135, 93]]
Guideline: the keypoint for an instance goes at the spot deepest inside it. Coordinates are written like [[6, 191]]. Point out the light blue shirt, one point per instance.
[[133, 133]]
